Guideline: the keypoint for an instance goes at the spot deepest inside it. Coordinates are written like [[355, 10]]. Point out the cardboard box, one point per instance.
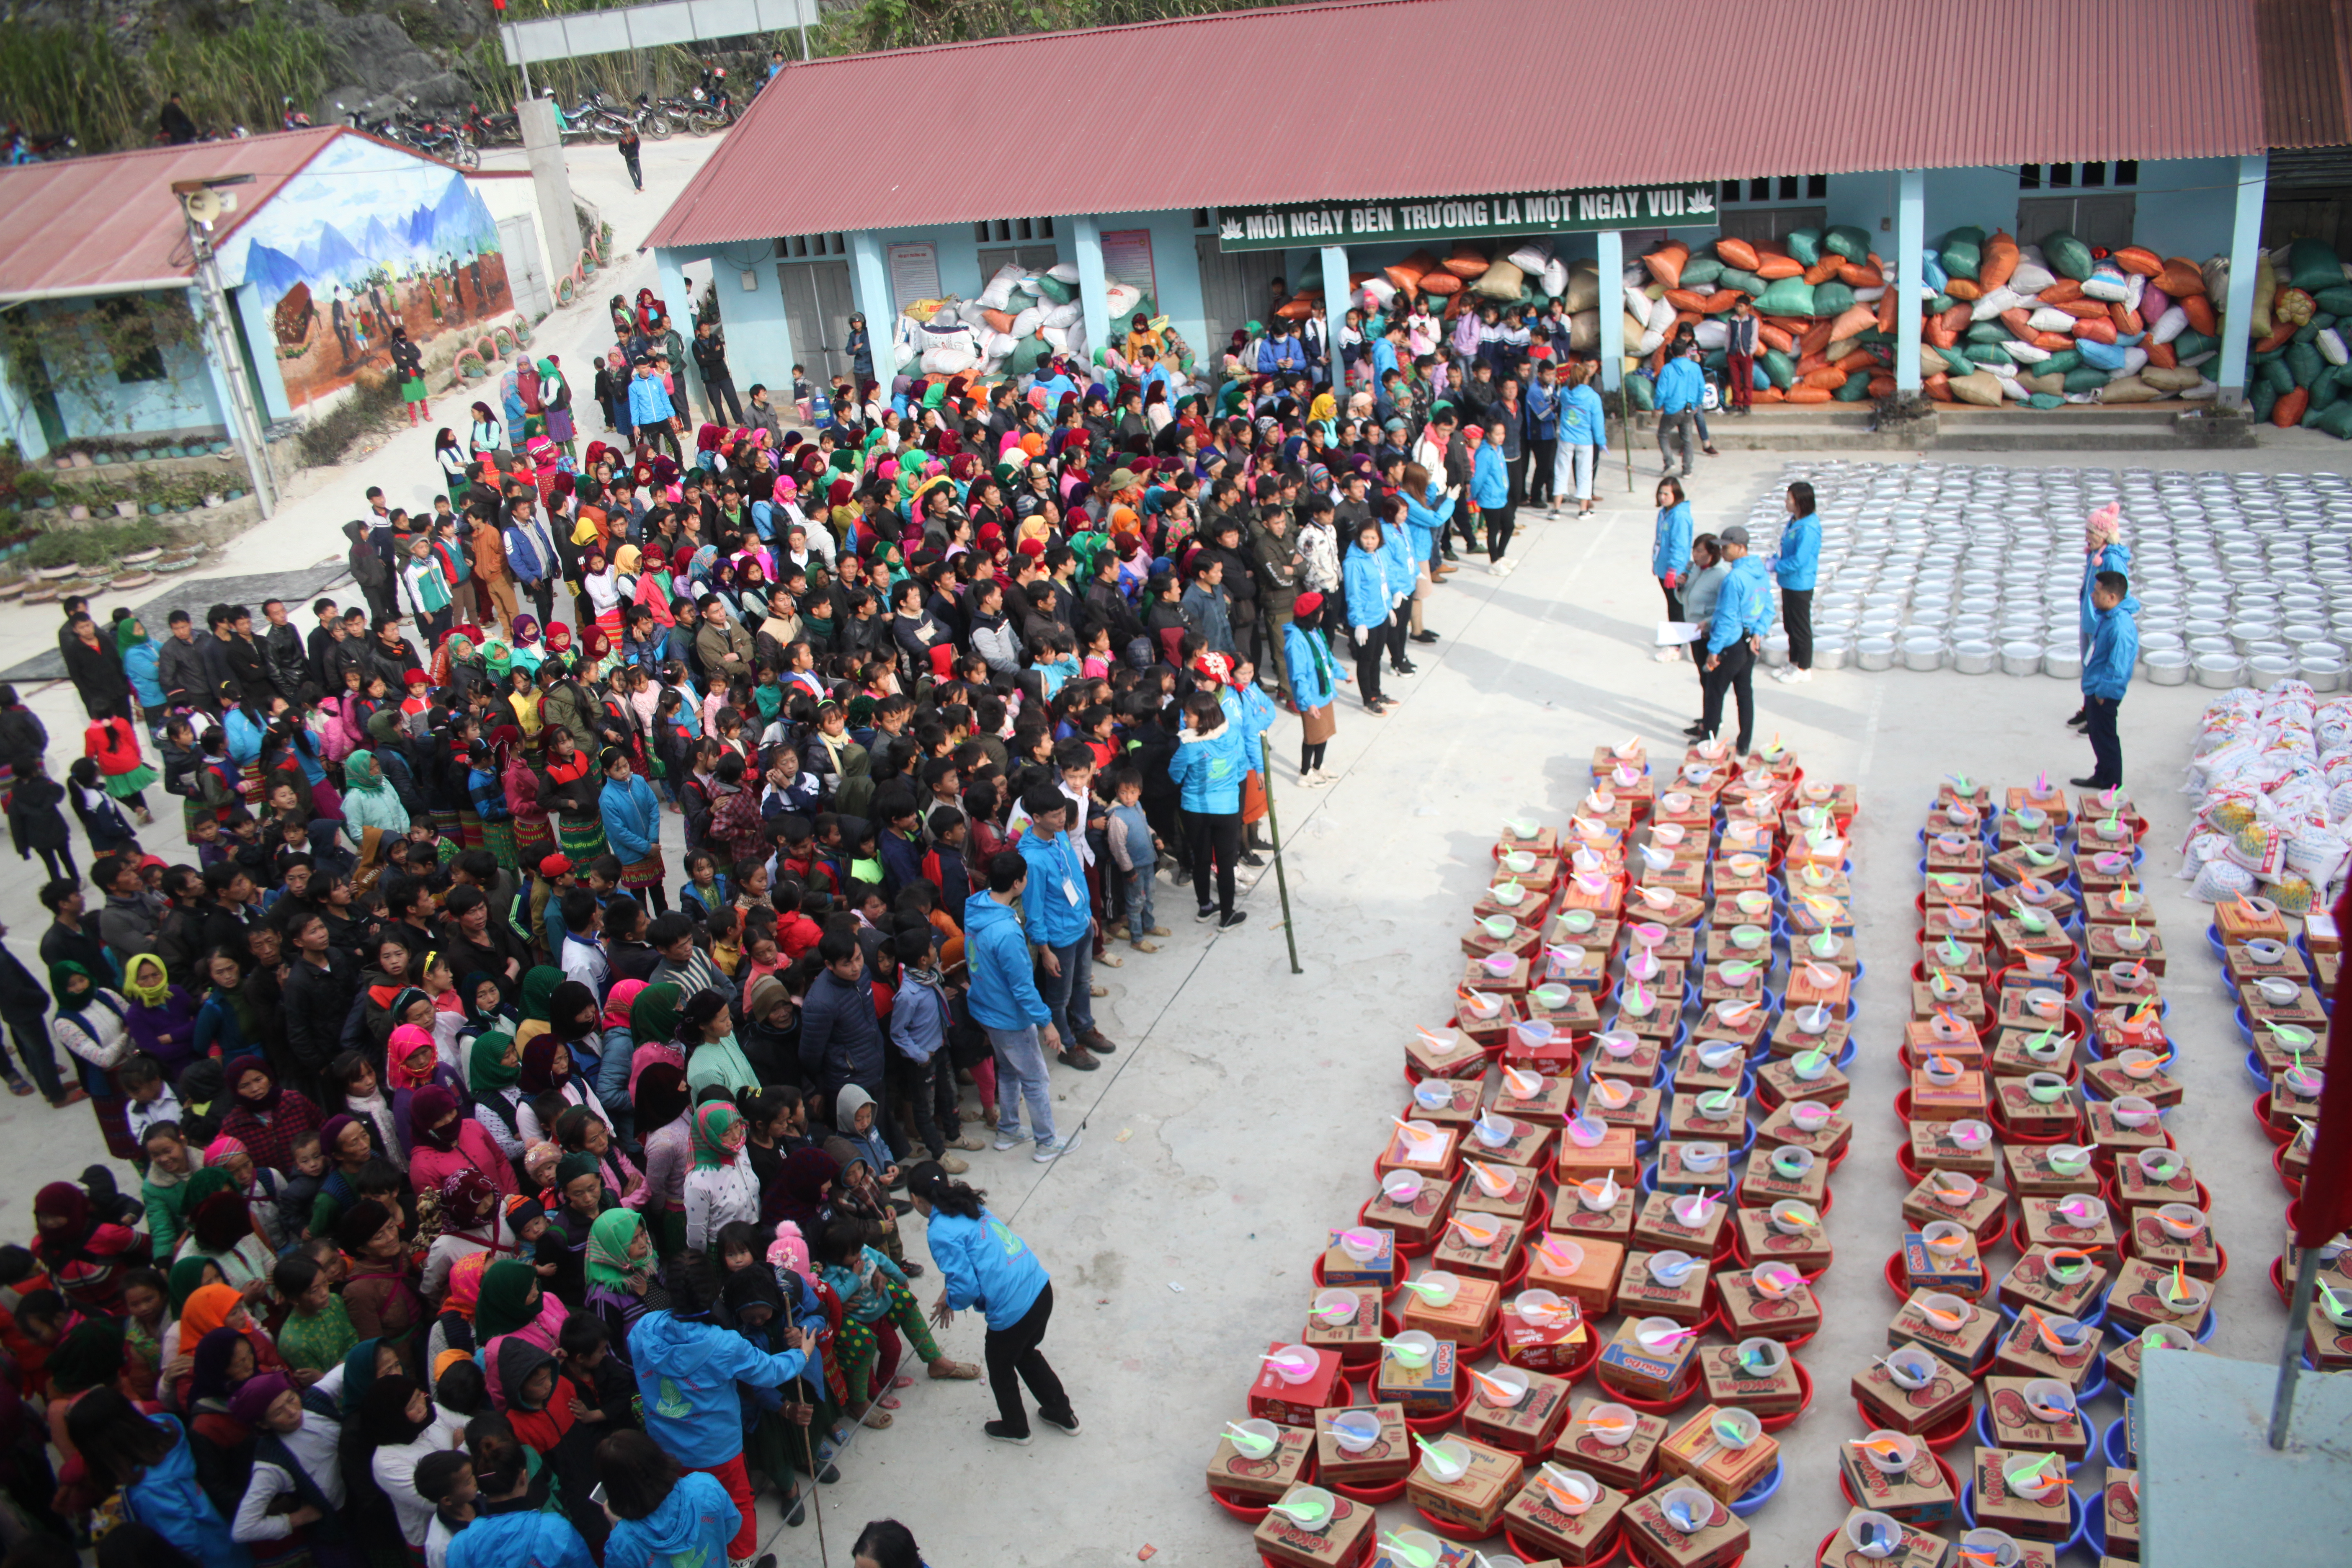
[[1677, 1174], [1658, 1227], [1414, 1223], [1641, 1293], [1522, 942], [2049, 1518], [1693, 1076], [1475, 976], [1627, 1367], [1521, 1202], [1294, 1405], [1968, 1006], [1427, 1390], [2116, 1141], [1437, 1157], [2137, 1300], [1443, 1053], [2328, 1346], [1761, 1241], [1627, 1466], [2119, 1500], [1549, 1107], [2151, 1241], [1530, 1426], [1637, 1067], [1457, 1255], [1344, 1540], [1381, 1269], [1386, 1460], [1460, 1107], [1781, 1131], [1592, 1284], [1543, 1347], [1963, 1098], [1777, 1083], [1962, 1346], [1963, 1273], [2033, 1174], [2019, 1053], [2031, 1118], [1693, 1451], [1615, 1153], [1917, 1496], [2123, 1362], [1450, 1554], [1267, 1479], [1475, 1500], [1574, 1014], [1728, 1383], [1469, 1318], [2016, 1424], [1545, 843], [1763, 1183], [2042, 860], [1533, 1517], [1570, 1217], [1747, 1311], [1914, 1410], [1360, 1333], [1686, 1118], [1721, 1538], [1981, 1211], [2031, 1283], [2047, 1222], [1636, 1107], [2023, 1351], [1529, 1144]]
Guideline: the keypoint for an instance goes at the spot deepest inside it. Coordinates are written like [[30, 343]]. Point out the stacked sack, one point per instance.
[[1615, 1159], [1471, 277], [2037, 1059], [2300, 374], [2272, 774], [1827, 310], [1022, 318]]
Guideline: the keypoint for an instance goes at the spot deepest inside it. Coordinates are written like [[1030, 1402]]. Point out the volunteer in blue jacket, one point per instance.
[[1363, 579], [149, 1458], [2104, 550], [984, 1265], [1427, 510], [2106, 676], [1743, 613], [1005, 1003], [1669, 555], [509, 1529], [1314, 682], [1060, 926], [1490, 487], [633, 823], [1682, 387], [687, 1369], [1542, 433], [662, 1512], [1794, 568], [1583, 436], [1212, 759]]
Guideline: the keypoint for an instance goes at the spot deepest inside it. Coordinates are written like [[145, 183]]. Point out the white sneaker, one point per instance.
[[1784, 673], [1326, 776], [1048, 1153], [1501, 568], [1801, 676], [1668, 655]]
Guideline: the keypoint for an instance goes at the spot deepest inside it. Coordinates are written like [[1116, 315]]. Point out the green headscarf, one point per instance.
[[127, 635], [90, 1356], [551, 380], [505, 1303], [359, 1373], [67, 1001], [186, 1277], [653, 1017], [487, 1065], [854, 796], [708, 1136], [538, 985], [210, 1182], [361, 771], [609, 1240]]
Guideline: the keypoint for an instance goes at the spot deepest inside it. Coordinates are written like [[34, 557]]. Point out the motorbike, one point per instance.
[[651, 122], [491, 130], [709, 107], [25, 147]]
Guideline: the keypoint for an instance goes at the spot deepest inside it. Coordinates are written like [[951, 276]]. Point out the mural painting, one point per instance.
[[365, 239]]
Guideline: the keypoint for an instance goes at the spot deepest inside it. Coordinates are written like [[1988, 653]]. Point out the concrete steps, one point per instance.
[[1813, 427], [1959, 428]]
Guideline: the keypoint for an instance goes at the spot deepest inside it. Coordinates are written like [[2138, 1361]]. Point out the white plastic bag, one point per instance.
[[1119, 300], [998, 295]]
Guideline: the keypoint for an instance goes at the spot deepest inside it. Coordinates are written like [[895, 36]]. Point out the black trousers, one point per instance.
[[1736, 673], [1399, 621], [1013, 1359], [1499, 523], [1517, 467], [1219, 833], [1674, 601], [721, 391], [2106, 749], [1797, 615], [1541, 457], [1365, 643]]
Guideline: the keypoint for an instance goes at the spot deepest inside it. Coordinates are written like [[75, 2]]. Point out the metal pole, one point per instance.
[[2298, 1319], [1274, 832], [242, 414], [1625, 408]]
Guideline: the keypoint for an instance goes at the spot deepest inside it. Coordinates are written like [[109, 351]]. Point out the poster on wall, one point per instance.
[[1126, 258], [365, 239], [914, 272]]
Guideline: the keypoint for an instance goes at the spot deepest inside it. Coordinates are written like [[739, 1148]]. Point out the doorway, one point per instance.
[[1231, 285], [816, 313]]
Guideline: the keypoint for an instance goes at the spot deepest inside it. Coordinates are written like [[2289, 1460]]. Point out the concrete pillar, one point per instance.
[[1094, 295], [19, 421], [1612, 263], [670, 285], [2245, 255], [869, 285], [217, 382], [550, 181], [1910, 273], [1335, 312]]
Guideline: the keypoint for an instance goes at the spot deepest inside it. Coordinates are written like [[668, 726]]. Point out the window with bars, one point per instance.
[[1776, 188], [2123, 172], [799, 246], [1011, 230]]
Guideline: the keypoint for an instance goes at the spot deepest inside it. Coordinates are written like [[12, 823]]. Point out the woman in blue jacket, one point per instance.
[[1211, 758], [1669, 555], [1314, 682], [632, 827], [1584, 438], [149, 1458], [2104, 550], [1793, 569], [1490, 488], [984, 1265], [1427, 510], [1364, 577]]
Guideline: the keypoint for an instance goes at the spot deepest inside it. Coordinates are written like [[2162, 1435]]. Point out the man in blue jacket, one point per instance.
[[2107, 675], [1743, 613], [649, 408], [1681, 389], [1543, 437], [1005, 1003], [1794, 568], [1060, 925]]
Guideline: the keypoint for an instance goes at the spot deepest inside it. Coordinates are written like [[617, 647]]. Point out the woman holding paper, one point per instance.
[[1670, 556]]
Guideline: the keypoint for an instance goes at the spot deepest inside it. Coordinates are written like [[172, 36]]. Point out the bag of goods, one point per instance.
[[2129, 389], [998, 295], [1583, 288], [2312, 266], [1056, 290], [1774, 265], [1963, 252], [1467, 261], [1789, 296], [1532, 256], [1119, 300], [1407, 274], [1380, 291], [2336, 420], [2104, 282], [1643, 394], [2069, 257], [2030, 277], [1847, 240], [1555, 280], [1832, 298], [1502, 281], [1999, 263], [1803, 246], [1584, 331], [1736, 253], [1666, 263], [2329, 342], [1441, 283]]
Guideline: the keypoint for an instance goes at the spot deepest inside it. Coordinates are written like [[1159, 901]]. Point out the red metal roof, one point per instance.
[[1325, 102], [2307, 71]]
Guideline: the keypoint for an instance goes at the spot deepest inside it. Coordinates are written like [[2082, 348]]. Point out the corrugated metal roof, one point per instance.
[[1325, 103], [2307, 71]]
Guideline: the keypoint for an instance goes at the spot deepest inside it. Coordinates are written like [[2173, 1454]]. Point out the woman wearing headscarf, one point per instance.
[[345, 1142], [719, 1189], [213, 1310], [368, 800], [412, 1061], [381, 1293], [220, 1227], [448, 1143], [471, 1226], [265, 1117], [538, 997], [83, 1256], [511, 1302], [92, 1024], [665, 1122], [161, 1017], [555, 404], [547, 1082], [396, 1425]]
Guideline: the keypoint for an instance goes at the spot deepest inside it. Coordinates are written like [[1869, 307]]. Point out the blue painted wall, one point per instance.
[[181, 400]]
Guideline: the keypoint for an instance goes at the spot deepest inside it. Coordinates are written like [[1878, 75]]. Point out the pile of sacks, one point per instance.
[[2272, 774], [1022, 318], [1471, 277], [1826, 309], [2302, 295]]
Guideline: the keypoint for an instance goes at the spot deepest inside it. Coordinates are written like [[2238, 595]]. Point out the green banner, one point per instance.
[[1295, 225]]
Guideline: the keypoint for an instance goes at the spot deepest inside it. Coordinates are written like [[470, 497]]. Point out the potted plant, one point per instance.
[[35, 487]]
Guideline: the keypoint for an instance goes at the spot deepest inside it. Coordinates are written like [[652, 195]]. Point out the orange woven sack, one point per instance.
[[1722, 300], [1851, 323], [2064, 291], [2140, 259], [1773, 337], [1880, 385], [1939, 386], [1408, 273], [1855, 363], [2287, 411], [1771, 265], [998, 320], [1956, 320], [2200, 311], [1297, 308], [1855, 277], [2053, 341], [2085, 309], [2181, 278], [1812, 362], [1963, 288], [1467, 262], [1809, 394], [2126, 318], [2280, 337], [2162, 356], [1938, 333], [1822, 271], [2020, 322], [1829, 378], [1768, 394], [1441, 282], [2102, 331], [1999, 261], [1736, 253], [1888, 303], [1686, 318], [1816, 338], [1686, 299], [1666, 263]]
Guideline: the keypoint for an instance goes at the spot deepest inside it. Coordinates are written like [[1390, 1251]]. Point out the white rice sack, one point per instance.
[[998, 294], [2330, 344], [2134, 287], [2193, 361], [1381, 292], [1637, 277], [1711, 334], [2031, 276], [1056, 338], [1077, 339], [2051, 319], [1062, 316], [2012, 389], [948, 362], [2220, 879], [2024, 353], [2217, 277], [1650, 338], [1555, 279], [1119, 300], [2133, 359], [2204, 391], [1065, 272], [1993, 302], [1028, 320], [1870, 296], [2170, 325], [1531, 258], [994, 346], [2105, 283]]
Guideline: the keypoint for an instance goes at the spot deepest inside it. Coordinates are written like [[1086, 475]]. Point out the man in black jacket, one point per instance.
[[319, 993], [718, 380], [1106, 607], [283, 656], [246, 667], [23, 738]]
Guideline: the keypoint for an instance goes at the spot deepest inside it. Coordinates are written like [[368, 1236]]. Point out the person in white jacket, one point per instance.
[[297, 1436], [720, 1188]]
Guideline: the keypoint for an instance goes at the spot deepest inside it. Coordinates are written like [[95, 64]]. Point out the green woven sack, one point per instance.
[[2335, 302], [2303, 362], [2260, 398], [2058, 364], [1986, 332], [1833, 299], [2309, 332], [2088, 378], [1779, 368], [2045, 400], [2192, 343], [1939, 303], [1845, 239], [1954, 362], [1803, 246], [2274, 375], [1873, 336], [1963, 252], [1644, 393], [1991, 354], [2312, 266], [1702, 272], [1026, 355], [1746, 283], [1787, 297], [2336, 420], [1055, 290], [1853, 389], [2326, 391], [2068, 257]]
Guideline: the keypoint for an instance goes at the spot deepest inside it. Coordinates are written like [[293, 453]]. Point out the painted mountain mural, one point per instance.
[[368, 238]]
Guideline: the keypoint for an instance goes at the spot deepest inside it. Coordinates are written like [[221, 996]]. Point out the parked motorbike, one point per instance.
[[709, 107], [27, 147], [491, 130]]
